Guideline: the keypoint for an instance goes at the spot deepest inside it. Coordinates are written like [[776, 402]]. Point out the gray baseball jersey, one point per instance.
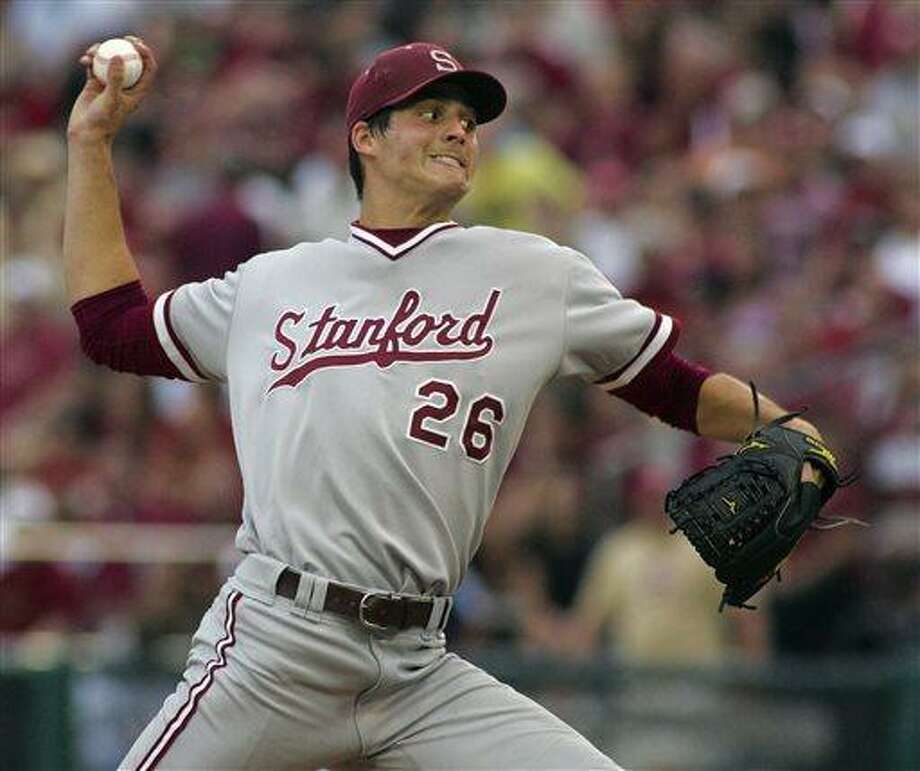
[[378, 392], [377, 395]]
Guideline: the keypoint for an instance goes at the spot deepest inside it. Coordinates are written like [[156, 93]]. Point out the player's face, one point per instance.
[[431, 148]]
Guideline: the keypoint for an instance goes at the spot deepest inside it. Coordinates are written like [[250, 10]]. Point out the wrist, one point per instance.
[[797, 424], [81, 139]]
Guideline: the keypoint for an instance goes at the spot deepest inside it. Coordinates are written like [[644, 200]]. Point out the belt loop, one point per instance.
[[448, 607], [317, 597], [439, 614], [304, 589]]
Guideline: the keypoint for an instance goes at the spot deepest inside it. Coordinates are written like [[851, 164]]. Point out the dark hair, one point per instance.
[[378, 123]]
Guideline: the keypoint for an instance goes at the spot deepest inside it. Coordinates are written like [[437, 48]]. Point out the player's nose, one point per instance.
[[455, 130]]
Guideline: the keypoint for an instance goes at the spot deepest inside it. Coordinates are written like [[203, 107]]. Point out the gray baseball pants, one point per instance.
[[276, 684]]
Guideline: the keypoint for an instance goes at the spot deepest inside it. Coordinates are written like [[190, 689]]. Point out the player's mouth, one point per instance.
[[449, 160]]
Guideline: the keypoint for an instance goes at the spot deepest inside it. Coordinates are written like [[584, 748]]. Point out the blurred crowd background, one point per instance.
[[748, 167]]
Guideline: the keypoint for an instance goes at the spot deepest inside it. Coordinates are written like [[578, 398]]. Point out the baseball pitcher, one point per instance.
[[378, 387]]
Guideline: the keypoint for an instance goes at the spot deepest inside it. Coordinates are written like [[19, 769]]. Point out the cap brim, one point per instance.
[[486, 94]]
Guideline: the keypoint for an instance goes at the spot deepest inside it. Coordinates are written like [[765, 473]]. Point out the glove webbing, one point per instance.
[[761, 488]]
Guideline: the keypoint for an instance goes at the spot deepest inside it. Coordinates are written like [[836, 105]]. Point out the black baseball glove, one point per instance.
[[745, 514]]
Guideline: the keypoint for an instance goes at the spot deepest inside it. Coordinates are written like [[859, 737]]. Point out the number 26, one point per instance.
[[478, 433]]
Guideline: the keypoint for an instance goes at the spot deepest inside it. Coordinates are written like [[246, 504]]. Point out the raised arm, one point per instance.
[[95, 252]]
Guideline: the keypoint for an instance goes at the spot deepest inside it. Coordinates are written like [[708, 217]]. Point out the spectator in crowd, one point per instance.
[[648, 595]]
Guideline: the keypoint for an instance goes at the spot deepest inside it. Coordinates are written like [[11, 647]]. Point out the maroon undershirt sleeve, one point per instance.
[[669, 389], [116, 330]]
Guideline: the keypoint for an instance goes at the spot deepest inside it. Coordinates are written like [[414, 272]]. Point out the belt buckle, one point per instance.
[[362, 606]]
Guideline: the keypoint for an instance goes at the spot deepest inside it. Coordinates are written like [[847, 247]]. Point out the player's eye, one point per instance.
[[436, 114]]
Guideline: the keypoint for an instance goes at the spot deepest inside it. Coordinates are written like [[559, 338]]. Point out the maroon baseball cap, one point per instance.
[[398, 73]]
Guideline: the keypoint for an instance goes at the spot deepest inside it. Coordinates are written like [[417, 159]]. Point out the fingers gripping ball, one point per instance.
[[118, 46]]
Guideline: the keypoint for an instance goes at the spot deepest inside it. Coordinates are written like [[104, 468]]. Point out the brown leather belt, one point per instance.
[[374, 610]]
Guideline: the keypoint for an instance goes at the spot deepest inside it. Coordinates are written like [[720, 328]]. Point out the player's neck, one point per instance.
[[379, 215]]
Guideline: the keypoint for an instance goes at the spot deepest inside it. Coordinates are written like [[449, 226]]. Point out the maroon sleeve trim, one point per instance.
[[648, 339], [180, 346], [663, 325]]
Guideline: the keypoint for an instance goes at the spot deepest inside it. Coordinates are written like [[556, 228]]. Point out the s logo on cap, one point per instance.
[[443, 61]]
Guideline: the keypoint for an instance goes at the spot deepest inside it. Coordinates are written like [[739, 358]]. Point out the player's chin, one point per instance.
[[456, 180], [447, 176]]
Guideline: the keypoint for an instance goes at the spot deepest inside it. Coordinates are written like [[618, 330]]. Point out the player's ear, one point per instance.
[[363, 139]]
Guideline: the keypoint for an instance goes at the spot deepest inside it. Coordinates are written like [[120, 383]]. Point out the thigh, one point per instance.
[[458, 717], [255, 694]]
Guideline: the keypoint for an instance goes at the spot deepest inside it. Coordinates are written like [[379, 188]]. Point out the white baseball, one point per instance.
[[118, 46]]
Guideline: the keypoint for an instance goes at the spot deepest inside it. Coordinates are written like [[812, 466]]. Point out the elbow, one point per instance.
[[124, 341], [113, 324], [97, 351]]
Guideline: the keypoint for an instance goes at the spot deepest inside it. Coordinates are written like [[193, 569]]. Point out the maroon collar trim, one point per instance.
[[395, 242]]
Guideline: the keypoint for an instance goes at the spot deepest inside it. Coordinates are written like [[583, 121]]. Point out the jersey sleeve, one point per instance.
[[193, 325], [608, 339]]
